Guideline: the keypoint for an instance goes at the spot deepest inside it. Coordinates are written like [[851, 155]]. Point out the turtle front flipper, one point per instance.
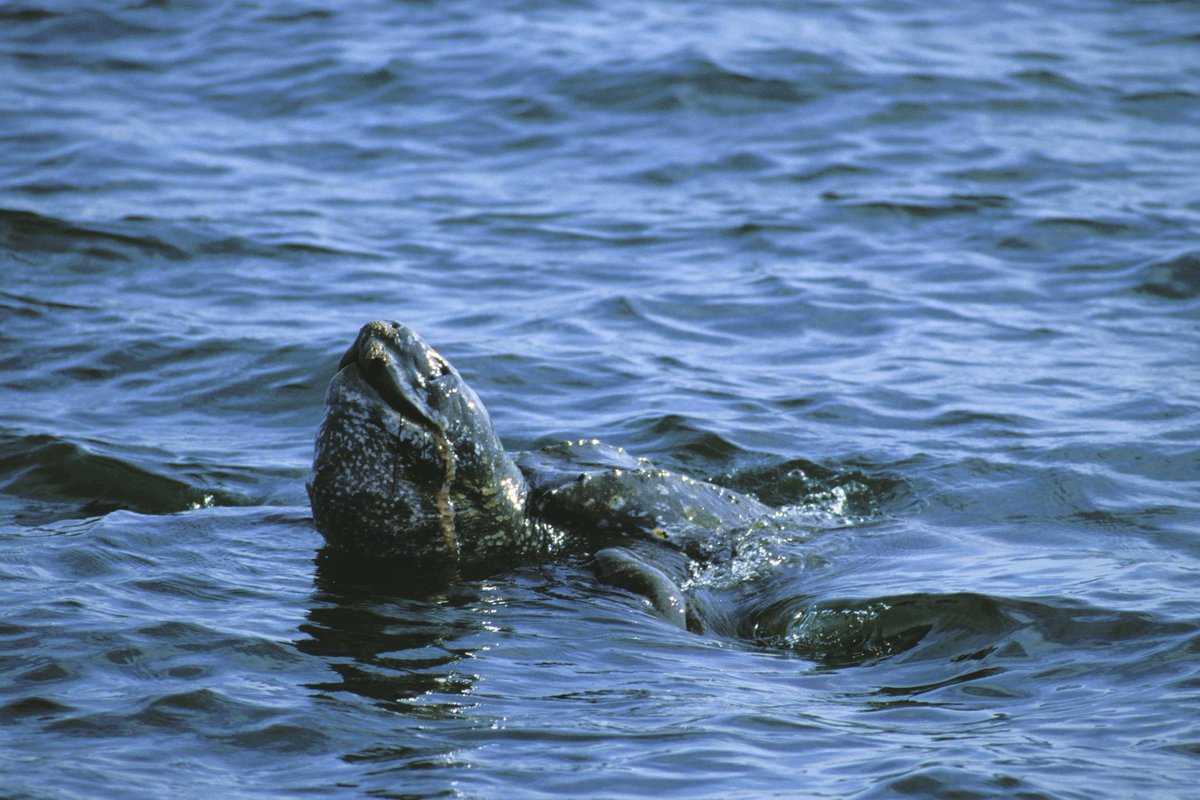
[[619, 566]]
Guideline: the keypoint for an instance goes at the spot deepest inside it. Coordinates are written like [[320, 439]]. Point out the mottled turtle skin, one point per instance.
[[409, 469]]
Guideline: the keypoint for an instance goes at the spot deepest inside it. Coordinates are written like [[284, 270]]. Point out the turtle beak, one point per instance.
[[382, 364]]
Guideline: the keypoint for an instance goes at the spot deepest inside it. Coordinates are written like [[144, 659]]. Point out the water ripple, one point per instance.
[[922, 278]]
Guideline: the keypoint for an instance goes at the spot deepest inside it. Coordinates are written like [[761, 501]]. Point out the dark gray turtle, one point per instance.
[[408, 468]]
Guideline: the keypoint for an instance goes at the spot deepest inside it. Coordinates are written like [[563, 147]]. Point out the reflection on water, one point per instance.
[[393, 645], [923, 277]]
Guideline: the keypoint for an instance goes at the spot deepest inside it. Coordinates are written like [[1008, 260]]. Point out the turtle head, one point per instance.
[[408, 467]]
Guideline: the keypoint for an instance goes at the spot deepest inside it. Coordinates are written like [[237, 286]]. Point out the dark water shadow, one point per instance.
[[391, 634]]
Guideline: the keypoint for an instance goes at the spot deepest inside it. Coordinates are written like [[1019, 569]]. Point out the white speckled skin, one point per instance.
[[408, 468], [407, 464]]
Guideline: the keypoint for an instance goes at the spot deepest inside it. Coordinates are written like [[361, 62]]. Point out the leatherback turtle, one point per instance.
[[408, 468]]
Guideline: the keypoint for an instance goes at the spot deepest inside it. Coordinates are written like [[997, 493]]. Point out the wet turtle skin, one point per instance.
[[408, 469]]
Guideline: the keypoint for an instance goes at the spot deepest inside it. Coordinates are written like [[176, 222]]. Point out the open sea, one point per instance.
[[924, 276]]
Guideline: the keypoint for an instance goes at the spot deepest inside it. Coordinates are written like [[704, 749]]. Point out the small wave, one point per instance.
[[1175, 279], [27, 232], [81, 25], [73, 480], [1048, 79], [550, 227], [679, 81], [1172, 106], [953, 205], [35, 306], [316, 15], [244, 247], [25, 15], [685, 441], [741, 162], [954, 627], [1092, 226], [319, 81]]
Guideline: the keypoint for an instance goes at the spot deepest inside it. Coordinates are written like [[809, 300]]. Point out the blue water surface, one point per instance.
[[926, 277]]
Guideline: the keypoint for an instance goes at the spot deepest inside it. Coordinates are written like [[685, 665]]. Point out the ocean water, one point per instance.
[[924, 276]]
